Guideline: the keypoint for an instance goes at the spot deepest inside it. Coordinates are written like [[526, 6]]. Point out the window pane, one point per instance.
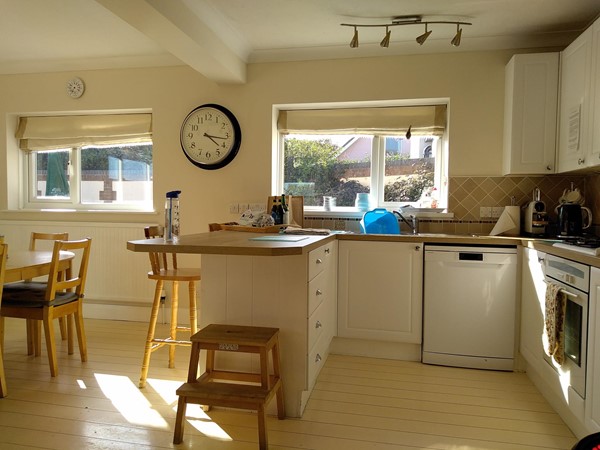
[[117, 174], [409, 168], [319, 165], [51, 172]]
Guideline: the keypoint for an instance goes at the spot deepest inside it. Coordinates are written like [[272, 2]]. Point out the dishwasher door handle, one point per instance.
[[464, 256]]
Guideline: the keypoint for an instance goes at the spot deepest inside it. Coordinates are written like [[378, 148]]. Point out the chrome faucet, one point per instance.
[[413, 224]]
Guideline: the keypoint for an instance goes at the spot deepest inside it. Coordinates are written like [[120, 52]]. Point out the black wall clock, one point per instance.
[[210, 136]]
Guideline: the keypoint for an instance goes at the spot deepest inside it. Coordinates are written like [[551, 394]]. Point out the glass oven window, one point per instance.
[[573, 335]]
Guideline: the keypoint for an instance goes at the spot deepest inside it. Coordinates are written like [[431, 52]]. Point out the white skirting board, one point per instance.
[[117, 284]]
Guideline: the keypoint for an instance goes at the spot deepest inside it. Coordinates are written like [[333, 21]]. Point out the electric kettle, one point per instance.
[[573, 219]]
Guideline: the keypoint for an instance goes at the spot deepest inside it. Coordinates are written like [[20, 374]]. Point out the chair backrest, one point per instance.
[[35, 237], [159, 260], [75, 279]]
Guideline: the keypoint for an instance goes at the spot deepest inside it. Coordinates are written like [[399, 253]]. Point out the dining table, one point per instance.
[[26, 264]]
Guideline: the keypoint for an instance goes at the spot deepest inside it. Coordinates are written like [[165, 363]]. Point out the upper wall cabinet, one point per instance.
[[530, 109], [579, 115]]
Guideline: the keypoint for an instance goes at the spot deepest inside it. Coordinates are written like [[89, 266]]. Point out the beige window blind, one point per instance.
[[54, 132], [423, 120]]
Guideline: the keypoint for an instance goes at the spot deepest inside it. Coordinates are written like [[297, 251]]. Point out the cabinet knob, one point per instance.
[[580, 161], [417, 248], [327, 251], [548, 167], [319, 292], [318, 358], [319, 261], [318, 324]]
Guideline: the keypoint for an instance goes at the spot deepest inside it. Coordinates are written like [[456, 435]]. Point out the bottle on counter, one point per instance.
[[286, 212], [276, 212]]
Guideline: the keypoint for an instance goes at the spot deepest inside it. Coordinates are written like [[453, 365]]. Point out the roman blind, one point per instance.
[[54, 132], [422, 120]]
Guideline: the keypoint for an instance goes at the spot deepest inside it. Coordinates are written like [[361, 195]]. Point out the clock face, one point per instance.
[[75, 87], [210, 136]]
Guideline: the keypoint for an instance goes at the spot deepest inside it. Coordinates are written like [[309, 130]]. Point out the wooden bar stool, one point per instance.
[[162, 273], [206, 390]]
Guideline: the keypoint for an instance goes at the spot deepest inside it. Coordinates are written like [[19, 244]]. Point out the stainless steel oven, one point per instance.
[[574, 280]]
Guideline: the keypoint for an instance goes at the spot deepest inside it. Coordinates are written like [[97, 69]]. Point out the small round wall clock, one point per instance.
[[210, 136], [75, 87]]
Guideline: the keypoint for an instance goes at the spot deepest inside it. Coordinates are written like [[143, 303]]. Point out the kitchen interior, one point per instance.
[[487, 172]]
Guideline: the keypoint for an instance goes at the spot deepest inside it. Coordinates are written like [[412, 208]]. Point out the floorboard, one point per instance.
[[358, 403]]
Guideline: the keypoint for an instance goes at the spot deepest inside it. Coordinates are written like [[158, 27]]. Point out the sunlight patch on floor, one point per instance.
[[204, 424], [129, 401]]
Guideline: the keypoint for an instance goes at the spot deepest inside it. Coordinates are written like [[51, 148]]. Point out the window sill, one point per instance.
[[352, 213]]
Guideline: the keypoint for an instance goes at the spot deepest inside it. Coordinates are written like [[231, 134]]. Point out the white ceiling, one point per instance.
[[219, 38]]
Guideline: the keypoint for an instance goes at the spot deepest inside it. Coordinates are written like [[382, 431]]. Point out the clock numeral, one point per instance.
[[193, 144], [218, 152], [194, 127], [208, 155]]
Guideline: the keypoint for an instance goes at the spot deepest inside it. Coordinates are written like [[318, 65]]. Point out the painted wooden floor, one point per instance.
[[358, 404]]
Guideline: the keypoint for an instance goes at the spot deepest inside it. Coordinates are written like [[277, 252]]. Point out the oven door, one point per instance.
[[572, 371]]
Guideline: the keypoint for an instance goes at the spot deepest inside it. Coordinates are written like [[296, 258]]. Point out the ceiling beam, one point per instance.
[[173, 26]]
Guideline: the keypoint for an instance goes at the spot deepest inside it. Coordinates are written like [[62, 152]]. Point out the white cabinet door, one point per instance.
[[592, 401], [380, 291], [573, 131], [533, 291], [531, 102], [594, 157]]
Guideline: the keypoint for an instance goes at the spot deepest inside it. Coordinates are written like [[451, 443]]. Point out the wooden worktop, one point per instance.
[[232, 243], [243, 243]]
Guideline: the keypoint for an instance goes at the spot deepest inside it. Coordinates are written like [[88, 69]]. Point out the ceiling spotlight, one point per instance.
[[385, 42], [456, 39], [422, 38], [354, 41]]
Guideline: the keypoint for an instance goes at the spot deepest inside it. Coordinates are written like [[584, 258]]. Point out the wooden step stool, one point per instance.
[[206, 390]]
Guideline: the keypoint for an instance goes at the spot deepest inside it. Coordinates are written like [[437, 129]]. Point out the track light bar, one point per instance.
[[407, 20]]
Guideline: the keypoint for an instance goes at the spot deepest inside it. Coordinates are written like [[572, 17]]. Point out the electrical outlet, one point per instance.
[[497, 211], [257, 207], [243, 207], [234, 208], [485, 211]]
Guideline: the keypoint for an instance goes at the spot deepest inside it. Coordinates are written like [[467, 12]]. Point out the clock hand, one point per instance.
[[211, 138]]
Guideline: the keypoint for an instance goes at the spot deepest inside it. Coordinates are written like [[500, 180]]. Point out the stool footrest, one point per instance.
[[213, 393], [168, 341]]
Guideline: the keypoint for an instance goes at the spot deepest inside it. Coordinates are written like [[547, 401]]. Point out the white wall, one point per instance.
[[474, 83]]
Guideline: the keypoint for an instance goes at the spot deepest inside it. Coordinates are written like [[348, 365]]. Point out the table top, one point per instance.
[[25, 264], [233, 243]]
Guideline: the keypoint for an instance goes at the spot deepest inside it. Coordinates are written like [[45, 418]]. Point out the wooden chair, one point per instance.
[[219, 388], [3, 252], [58, 297], [34, 328], [161, 272]]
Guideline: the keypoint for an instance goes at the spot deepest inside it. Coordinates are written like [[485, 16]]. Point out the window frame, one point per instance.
[[73, 203]]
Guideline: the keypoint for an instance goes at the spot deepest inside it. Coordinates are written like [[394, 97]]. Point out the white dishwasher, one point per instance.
[[469, 303]]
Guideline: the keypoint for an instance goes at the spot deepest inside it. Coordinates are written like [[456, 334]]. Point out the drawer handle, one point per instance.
[[319, 292], [327, 251], [318, 324], [319, 261], [318, 358]]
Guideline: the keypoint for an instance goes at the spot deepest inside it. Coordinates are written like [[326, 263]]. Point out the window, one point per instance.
[[394, 154], [87, 162]]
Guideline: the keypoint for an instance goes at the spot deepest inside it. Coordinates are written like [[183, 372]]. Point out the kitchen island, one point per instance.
[[270, 280]]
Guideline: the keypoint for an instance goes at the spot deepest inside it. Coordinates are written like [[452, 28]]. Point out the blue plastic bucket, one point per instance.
[[379, 221]]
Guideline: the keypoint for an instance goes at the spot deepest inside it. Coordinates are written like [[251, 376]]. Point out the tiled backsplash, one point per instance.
[[469, 194]]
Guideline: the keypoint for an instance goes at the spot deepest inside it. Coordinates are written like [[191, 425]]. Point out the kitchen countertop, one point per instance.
[[244, 243]]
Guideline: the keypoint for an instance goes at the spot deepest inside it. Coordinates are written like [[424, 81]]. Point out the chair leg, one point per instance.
[[80, 329], [50, 343], [30, 336], [277, 374], [36, 332], [150, 335], [174, 312], [193, 317], [179, 420], [3, 389], [63, 329], [68, 323], [1, 333]]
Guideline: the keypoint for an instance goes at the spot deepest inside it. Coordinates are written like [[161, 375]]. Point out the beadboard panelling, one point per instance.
[[117, 285]]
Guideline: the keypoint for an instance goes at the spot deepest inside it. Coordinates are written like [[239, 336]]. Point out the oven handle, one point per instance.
[[564, 291]]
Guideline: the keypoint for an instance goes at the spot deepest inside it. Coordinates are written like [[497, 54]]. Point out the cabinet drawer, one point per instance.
[[316, 325], [319, 259], [316, 359], [317, 291]]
